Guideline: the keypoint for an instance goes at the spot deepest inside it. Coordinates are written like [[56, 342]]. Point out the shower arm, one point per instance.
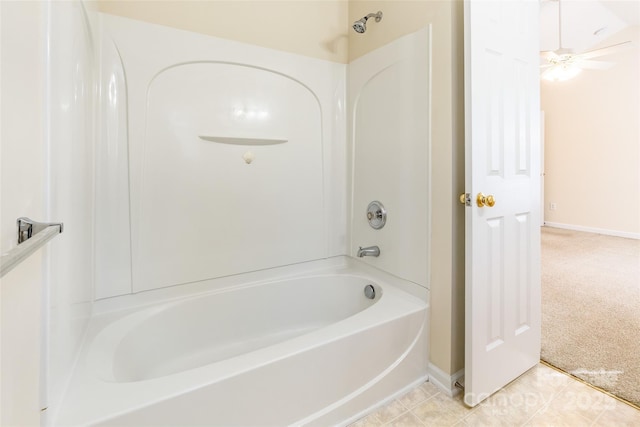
[[378, 16]]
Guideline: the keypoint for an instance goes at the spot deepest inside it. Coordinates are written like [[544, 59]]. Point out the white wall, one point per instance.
[[47, 169], [315, 28], [592, 145], [23, 158]]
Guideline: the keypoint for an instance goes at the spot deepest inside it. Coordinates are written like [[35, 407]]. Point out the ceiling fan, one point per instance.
[[563, 63]]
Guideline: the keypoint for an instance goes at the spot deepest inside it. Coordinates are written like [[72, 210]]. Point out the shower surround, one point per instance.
[[227, 170]]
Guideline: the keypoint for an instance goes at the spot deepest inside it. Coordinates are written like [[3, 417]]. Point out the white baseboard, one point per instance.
[[627, 234], [444, 381]]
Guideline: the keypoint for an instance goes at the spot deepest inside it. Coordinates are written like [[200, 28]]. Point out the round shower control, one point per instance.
[[376, 215]]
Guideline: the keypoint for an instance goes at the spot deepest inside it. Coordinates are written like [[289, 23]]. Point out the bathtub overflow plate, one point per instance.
[[369, 292], [376, 215]]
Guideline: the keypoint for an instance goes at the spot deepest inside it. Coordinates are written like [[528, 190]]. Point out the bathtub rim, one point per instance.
[[338, 264]]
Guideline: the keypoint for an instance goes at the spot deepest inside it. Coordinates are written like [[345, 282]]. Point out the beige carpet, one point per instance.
[[591, 308]]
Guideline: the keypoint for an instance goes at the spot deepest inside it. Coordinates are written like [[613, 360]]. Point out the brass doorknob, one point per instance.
[[483, 200]]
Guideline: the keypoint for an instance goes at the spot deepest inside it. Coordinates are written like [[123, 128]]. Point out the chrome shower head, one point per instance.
[[361, 24]]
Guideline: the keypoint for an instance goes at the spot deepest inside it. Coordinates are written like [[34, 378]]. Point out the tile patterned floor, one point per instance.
[[541, 397]]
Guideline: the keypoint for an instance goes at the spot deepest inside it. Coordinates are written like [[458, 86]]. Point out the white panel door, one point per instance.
[[502, 160]]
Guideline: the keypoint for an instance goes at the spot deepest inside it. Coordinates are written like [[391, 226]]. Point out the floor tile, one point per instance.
[[430, 388], [368, 421], [413, 398], [509, 406], [621, 415], [438, 418], [406, 420], [441, 410], [552, 417], [454, 404], [582, 399], [540, 384], [541, 397], [391, 411], [485, 417]]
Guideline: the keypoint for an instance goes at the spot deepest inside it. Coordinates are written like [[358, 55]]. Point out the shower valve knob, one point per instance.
[[376, 215]]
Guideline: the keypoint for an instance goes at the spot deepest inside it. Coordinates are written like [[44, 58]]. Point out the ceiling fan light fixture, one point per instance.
[[564, 64], [561, 73]]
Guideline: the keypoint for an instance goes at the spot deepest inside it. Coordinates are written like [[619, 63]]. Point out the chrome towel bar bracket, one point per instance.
[[32, 235], [27, 228]]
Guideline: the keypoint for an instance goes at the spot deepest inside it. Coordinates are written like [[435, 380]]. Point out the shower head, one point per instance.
[[361, 24]]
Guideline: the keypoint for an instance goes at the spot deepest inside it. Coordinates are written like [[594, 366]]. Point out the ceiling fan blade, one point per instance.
[[594, 65], [606, 50]]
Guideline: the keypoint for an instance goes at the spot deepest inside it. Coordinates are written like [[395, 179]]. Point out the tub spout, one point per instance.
[[368, 251]]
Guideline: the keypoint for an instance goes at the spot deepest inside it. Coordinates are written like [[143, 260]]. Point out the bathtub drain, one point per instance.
[[369, 292]]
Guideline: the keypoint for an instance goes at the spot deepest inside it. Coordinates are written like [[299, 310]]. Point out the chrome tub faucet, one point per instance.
[[368, 251]]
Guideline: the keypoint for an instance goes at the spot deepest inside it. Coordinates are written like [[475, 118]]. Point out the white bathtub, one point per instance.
[[304, 346]]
